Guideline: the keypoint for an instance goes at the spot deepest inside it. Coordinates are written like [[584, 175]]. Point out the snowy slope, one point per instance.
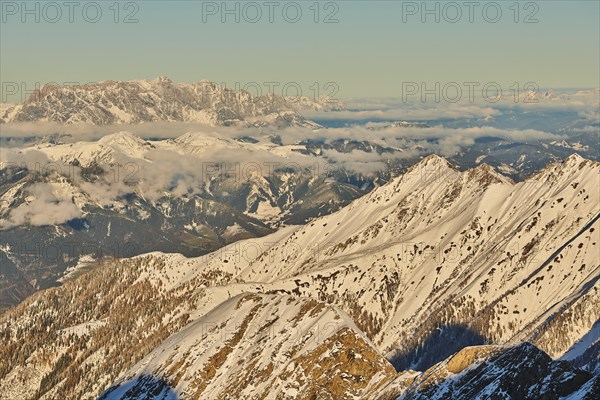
[[433, 262], [260, 346], [119, 147], [469, 257], [438, 248]]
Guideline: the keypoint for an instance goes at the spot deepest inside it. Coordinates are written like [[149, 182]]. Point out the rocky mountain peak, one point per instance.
[[160, 99], [486, 175]]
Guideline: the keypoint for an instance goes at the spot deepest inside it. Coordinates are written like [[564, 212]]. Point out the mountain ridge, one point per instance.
[[420, 292], [160, 99]]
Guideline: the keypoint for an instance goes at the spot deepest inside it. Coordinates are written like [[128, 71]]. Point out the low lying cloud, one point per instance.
[[89, 132], [45, 205], [185, 166], [585, 102], [424, 113]]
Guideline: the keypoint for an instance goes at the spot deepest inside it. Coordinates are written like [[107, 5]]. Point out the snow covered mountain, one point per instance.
[[438, 255], [445, 273], [278, 347], [519, 372], [276, 353], [121, 196], [161, 99]]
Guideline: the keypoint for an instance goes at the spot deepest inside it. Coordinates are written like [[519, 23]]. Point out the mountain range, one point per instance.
[[191, 195], [440, 283], [160, 99]]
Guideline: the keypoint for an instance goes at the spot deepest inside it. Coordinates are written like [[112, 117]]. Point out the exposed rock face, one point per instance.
[[589, 391], [161, 99], [520, 372], [261, 347]]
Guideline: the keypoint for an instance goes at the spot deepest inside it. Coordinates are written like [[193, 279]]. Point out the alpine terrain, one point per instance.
[[299, 200], [439, 284]]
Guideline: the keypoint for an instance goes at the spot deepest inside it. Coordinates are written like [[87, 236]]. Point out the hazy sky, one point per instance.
[[373, 48]]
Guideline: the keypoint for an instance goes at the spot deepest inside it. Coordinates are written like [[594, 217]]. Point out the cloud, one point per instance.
[[16, 157], [46, 204], [364, 163], [89, 132], [586, 103], [186, 166], [587, 129], [423, 113], [391, 134]]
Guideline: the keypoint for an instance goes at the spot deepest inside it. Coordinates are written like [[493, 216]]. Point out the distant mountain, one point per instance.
[[161, 99], [122, 196]]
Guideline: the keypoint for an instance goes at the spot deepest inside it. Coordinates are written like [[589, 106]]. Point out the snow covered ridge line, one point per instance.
[[512, 240], [293, 92], [48, 254], [432, 170], [122, 102]]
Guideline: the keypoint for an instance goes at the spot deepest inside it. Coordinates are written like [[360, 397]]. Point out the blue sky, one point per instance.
[[371, 51]]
